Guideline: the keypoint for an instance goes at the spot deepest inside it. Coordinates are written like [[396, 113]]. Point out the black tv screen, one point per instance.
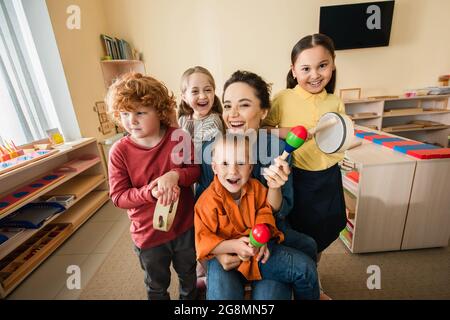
[[361, 25]]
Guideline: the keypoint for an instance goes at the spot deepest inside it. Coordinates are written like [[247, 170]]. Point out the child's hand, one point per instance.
[[243, 249], [263, 253], [157, 194], [277, 174], [228, 261], [167, 188]]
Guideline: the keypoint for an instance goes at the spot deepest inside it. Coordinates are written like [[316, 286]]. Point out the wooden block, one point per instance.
[[377, 136], [392, 144], [430, 154], [382, 140], [422, 146]]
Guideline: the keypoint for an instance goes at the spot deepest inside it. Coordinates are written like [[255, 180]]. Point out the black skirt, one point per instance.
[[319, 205]]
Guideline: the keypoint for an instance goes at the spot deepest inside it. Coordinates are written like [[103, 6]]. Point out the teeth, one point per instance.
[[237, 124]]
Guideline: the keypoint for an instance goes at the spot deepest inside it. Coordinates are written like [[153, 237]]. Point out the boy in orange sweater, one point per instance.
[[224, 216]]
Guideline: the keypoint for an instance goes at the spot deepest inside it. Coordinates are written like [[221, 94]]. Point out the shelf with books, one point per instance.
[[82, 174]]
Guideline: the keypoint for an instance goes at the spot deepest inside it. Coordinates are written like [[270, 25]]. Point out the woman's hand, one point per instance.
[[263, 253], [277, 174], [228, 261], [167, 190]]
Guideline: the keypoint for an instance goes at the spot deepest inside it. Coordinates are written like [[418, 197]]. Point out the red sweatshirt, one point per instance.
[[132, 167]]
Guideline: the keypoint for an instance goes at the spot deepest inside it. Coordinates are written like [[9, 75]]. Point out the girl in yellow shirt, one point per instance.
[[319, 208]]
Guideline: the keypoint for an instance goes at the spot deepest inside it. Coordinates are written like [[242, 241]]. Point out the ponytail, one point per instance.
[[332, 83], [291, 82]]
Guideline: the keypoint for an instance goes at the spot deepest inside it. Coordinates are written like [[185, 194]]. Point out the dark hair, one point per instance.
[[184, 109], [309, 42], [262, 88]]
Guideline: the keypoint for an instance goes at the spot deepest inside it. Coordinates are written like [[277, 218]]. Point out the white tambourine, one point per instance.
[[334, 133]]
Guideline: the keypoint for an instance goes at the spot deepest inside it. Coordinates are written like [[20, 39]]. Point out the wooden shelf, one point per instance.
[[78, 186], [394, 111], [68, 176], [32, 254], [71, 146], [84, 176], [416, 129], [364, 117], [121, 61], [84, 186], [428, 97], [80, 212], [413, 113]]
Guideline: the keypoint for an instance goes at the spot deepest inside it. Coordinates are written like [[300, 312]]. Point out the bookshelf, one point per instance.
[[112, 69], [399, 202], [86, 179], [421, 118]]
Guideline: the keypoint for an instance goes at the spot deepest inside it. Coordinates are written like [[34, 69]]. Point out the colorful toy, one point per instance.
[[9, 151], [294, 140], [17, 197], [259, 236]]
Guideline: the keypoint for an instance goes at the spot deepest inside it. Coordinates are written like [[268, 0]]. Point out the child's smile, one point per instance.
[[313, 69]]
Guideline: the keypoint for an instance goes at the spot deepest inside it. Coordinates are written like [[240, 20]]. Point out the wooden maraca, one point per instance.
[[298, 135], [294, 140], [259, 236]]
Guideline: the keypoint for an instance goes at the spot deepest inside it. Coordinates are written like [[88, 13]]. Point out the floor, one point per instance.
[[87, 248], [108, 273]]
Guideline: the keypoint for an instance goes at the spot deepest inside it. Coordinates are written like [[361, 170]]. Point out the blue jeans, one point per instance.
[[297, 240], [286, 268]]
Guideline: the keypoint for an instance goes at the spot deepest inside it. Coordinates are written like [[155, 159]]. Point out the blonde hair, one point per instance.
[[132, 90], [185, 109], [236, 140]]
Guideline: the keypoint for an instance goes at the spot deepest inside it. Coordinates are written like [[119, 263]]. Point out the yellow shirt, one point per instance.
[[293, 107]]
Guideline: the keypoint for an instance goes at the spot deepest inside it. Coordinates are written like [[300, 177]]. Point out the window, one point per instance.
[[26, 107]]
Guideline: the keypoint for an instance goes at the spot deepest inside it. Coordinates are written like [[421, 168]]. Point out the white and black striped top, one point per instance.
[[202, 130]]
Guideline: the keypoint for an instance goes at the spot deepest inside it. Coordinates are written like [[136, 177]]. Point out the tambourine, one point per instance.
[[334, 133], [164, 215]]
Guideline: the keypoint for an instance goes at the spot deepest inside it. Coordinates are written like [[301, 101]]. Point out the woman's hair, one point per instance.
[[132, 90], [262, 88], [185, 109], [309, 42]]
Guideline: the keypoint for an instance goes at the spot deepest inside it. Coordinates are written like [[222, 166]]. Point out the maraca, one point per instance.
[[259, 236], [294, 140], [297, 136]]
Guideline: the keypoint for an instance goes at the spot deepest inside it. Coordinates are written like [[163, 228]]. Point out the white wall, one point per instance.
[[258, 35]]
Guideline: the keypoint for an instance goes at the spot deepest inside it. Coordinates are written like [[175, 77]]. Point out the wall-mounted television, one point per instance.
[[361, 25]]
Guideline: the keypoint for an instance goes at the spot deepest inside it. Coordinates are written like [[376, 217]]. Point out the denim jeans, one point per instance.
[[285, 270], [297, 240]]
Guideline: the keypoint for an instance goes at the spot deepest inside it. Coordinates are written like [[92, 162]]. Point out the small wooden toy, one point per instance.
[[259, 236], [164, 215], [294, 140]]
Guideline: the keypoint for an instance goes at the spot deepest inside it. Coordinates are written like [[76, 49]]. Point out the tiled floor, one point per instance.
[[86, 248]]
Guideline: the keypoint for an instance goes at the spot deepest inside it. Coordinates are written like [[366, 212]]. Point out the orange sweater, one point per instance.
[[218, 218]]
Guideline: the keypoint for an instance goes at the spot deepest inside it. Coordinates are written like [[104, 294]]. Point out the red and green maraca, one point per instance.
[[259, 236], [294, 140]]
